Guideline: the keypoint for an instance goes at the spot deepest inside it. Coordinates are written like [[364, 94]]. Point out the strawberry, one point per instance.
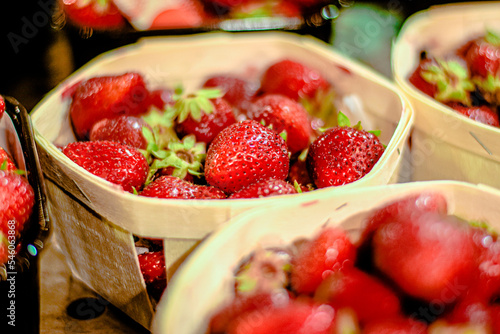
[[207, 120], [482, 55], [329, 252], [152, 265], [284, 114], [2, 106], [122, 165], [96, 14], [6, 162], [483, 113], [396, 324], [107, 97], [342, 154], [299, 175], [17, 199], [123, 129], [265, 188], [445, 80], [160, 98], [294, 317], [173, 187], [244, 153], [244, 304], [292, 79], [427, 254], [266, 8], [266, 271], [237, 91], [367, 296]]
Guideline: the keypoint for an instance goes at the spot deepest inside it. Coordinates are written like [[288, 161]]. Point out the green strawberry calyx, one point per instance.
[[489, 87], [194, 104], [183, 157], [344, 121], [451, 78], [492, 38]]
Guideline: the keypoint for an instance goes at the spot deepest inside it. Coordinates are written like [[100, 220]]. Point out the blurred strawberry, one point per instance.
[[126, 130], [427, 254], [292, 79], [294, 317], [2, 106], [445, 80], [327, 253], [107, 97], [181, 15], [152, 265], [117, 163], [367, 296], [342, 154], [299, 174], [173, 187], [265, 188], [96, 14], [160, 98], [244, 153], [483, 114], [283, 115], [244, 304], [482, 55], [395, 324]]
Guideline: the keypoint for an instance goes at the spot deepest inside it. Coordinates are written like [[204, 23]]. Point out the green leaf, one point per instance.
[[4, 165], [297, 187], [375, 132], [343, 120], [303, 155], [284, 135]]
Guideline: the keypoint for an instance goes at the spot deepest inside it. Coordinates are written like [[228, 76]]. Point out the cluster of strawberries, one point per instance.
[[106, 14], [415, 269], [17, 199], [467, 81], [232, 138]]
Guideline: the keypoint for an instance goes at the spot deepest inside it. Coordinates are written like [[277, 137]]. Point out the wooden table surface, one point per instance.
[[59, 289]]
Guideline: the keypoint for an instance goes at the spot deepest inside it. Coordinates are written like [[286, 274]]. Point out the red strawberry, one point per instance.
[[117, 163], [243, 304], [6, 162], [208, 124], [2, 106], [17, 199], [483, 114], [160, 98], [244, 153], [292, 79], [152, 265], [173, 187], [368, 297], [329, 252], [293, 318], [469, 311], [445, 80], [126, 130], [284, 114], [298, 175], [397, 324], [482, 55], [237, 91], [107, 97], [97, 14], [265, 188], [426, 255], [342, 154], [404, 209]]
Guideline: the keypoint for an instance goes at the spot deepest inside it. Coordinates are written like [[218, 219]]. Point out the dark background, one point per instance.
[[39, 50]]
